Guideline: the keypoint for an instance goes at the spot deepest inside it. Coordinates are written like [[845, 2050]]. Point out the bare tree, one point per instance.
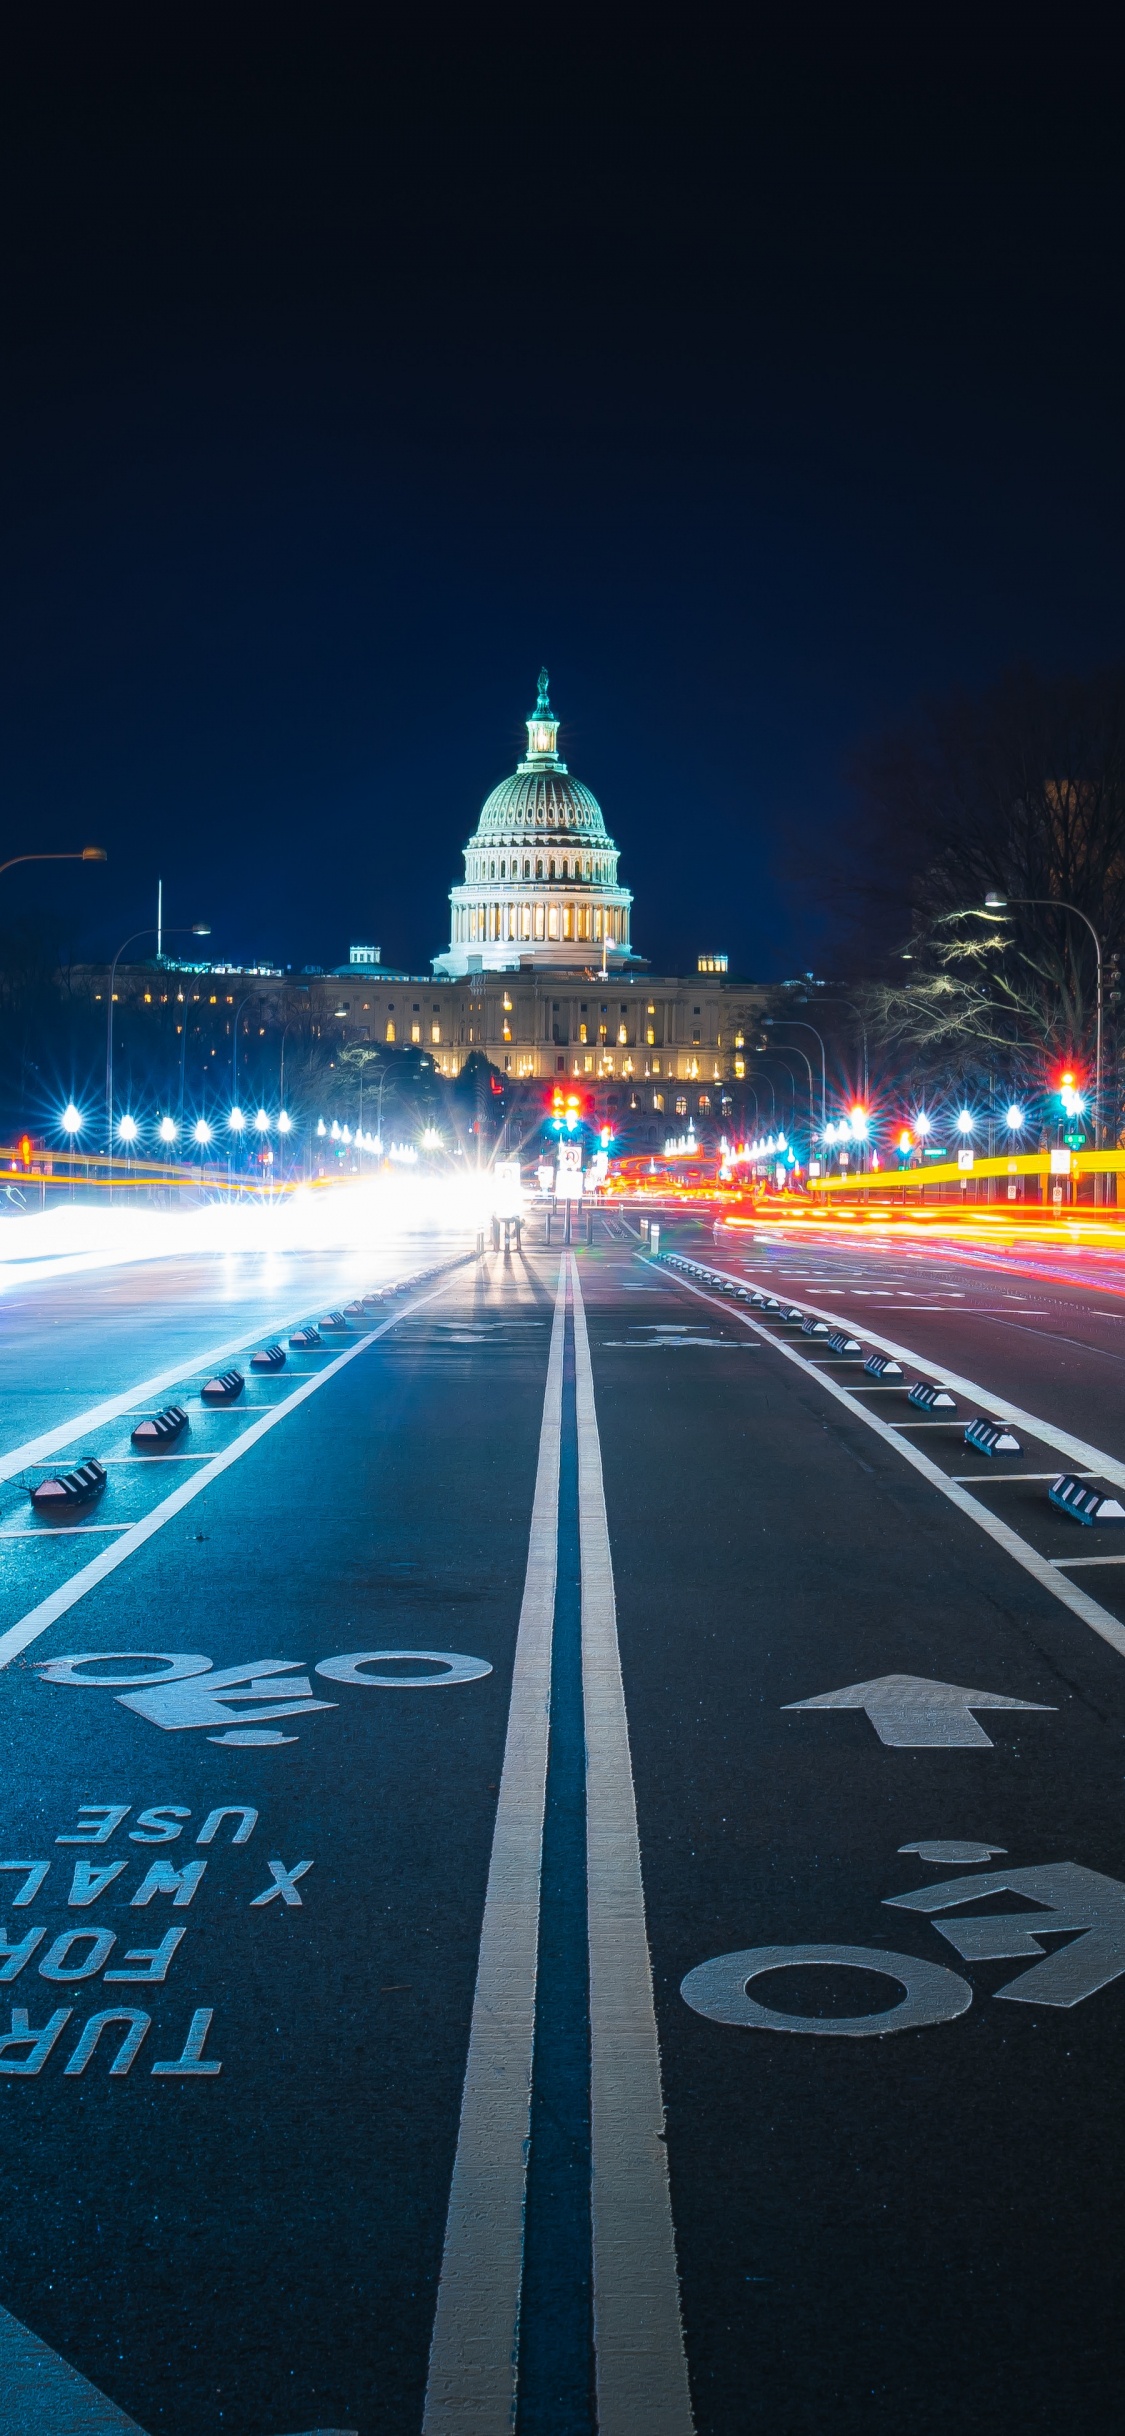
[[1020, 790]]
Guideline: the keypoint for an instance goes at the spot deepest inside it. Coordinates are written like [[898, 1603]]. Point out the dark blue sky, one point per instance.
[[353, 372]]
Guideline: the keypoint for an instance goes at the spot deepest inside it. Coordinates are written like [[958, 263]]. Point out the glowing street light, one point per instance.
[[203, 1133], [236, 1120], [71, 1119], [965, 1123], [431, 1138], [923, 1124], [285, 1122], [167, 1129], [262, 1121], [128, 1129], [1015, 1119], [321, 1129]]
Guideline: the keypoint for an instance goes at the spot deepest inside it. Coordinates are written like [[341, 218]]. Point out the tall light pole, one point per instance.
[[199, 930], [790, 1050], [996, 903], [770, 1023]]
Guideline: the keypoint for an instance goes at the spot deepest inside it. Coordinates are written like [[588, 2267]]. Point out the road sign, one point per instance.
[[915, 1714]]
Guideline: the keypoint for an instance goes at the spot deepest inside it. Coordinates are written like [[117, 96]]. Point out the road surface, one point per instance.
[[623, 1817]]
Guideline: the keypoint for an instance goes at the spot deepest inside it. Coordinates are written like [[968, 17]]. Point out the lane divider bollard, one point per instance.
[[65, 1490], [841, 1343], [268, 1357], [1082, 1503], [225, 1389], [992, 1438], [882, 1366], [304, 1337], [157, 1429], [931, 1399]]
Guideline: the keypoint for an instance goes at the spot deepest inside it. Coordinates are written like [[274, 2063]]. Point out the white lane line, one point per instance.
[[473, 2351], [1040, 1567], [1088, 1560], [39, 1619], [49, 1531], [642, 2381]]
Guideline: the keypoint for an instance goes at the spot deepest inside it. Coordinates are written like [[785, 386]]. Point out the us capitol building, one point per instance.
[[540, 973]]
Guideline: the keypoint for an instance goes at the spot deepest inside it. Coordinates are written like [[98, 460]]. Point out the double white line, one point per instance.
[[642, 2386]]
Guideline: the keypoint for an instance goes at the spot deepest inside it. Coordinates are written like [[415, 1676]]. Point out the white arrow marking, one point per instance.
[[914, 1714]]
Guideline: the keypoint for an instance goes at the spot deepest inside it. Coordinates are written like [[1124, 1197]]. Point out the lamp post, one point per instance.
[[199, 930], [770, 1023], [996, 903]]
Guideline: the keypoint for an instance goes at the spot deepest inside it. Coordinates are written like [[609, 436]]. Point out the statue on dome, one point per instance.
[[541, 702]]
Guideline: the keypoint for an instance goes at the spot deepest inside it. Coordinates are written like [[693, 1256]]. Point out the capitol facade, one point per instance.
[[540, 886], [540, 978]]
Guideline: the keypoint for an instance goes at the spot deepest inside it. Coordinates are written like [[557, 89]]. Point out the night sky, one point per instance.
[[355, 367]]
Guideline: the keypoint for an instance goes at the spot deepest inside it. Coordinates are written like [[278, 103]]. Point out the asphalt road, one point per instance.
[[493, 2133]]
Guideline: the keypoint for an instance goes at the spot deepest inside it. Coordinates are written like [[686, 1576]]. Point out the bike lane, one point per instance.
[[898, 2229], [257, 2247]]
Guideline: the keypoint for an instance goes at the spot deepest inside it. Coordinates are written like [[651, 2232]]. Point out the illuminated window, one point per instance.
[[650, 1036], [681, 1107], [390, 1031], [582, 1032], [435, 1033], [704, 1104], [568, 931], [214, 1002], [740, 1068], [740, 1040], [658, 1101], [656, 1065], [695, 1035], [693, 1069], [416, 1031], [539, 921], [622, 1035]]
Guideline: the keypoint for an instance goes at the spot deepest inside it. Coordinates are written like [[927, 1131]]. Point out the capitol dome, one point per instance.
[[540, 882]]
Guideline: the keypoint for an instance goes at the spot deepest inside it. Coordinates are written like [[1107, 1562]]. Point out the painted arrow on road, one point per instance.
[[915, 1714]]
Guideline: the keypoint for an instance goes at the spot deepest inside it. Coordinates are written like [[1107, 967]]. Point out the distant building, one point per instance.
[[540, 976]]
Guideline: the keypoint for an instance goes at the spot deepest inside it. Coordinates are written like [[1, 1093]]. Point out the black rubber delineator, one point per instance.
[[1082, 1502], [992, 1438], [306, 1336], [223, 1390], [882, 1366], [158, 1429], [931, 1399], [65, 1490], [268, 1357]]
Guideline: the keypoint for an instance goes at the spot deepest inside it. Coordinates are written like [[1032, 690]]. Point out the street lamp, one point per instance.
[[996, 903], [202, 1133], [770, 1022], [1015, 1119], [167, 1129], [261, 1121], [199, 930], [71, 1119], [965, 1123], [236, 1120], [128, 1129], [285, 1122]]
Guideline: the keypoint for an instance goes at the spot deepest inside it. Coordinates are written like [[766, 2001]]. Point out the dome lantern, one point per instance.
[[542, 733]]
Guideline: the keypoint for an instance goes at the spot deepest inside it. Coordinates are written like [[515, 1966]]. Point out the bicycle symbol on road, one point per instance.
[[1081, 1902]]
